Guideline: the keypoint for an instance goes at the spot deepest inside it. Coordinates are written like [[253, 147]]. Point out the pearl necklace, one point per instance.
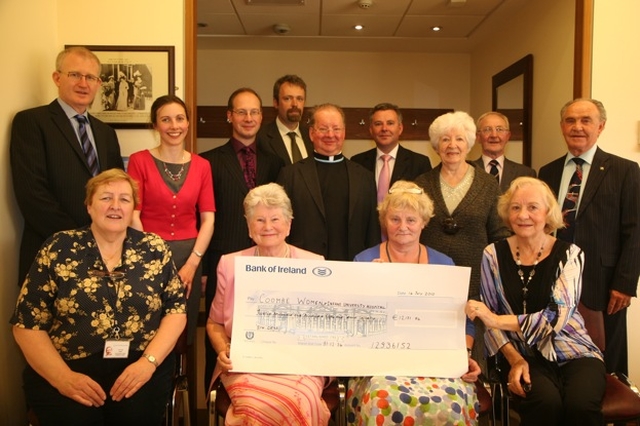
[[286, 253], [174, 176], [525, 289]]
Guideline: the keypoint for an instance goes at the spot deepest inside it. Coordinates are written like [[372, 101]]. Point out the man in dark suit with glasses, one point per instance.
[[55, 149]]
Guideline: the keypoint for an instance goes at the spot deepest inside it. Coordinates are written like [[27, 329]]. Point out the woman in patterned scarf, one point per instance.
[[531, 285]]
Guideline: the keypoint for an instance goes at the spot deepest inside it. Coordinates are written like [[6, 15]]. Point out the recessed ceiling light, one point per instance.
[[358, 27], [436, 28]]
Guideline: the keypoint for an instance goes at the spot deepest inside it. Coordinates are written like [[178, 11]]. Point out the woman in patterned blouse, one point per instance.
[[98, 316], [531, 284]]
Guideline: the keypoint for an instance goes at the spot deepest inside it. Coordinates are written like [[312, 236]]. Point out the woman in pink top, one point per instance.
[[175, 189], [262, 399]]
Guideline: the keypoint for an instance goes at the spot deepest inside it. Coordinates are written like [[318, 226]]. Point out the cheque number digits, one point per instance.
[[390, 345]]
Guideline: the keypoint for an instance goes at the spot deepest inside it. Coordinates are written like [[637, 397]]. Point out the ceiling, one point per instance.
[[389, 25]]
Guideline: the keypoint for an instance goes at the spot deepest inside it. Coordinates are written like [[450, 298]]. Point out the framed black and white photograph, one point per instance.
[[132, 77]]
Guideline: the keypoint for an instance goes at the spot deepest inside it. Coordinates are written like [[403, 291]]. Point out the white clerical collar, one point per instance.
[[328, 158]]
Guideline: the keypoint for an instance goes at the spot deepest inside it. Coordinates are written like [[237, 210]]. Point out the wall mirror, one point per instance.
[[512, 91]]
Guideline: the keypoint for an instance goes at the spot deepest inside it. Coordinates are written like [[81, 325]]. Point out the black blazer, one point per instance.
[[229, 189], [511, 171], [606, 226], [50, 170], [409, 164], [301, 182], [270, 140]]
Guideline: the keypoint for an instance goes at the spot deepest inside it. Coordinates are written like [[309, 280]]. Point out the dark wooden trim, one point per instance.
[[212, 121], [522, 67], [190, 78], [583, 49], [516, 121]]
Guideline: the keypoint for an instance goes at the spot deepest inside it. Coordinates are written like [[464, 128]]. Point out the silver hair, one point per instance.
[[450, 121]]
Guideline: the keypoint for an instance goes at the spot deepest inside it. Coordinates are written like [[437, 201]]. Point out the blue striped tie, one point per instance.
[[89, 152]]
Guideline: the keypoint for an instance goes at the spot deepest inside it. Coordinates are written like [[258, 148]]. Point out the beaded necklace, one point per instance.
[[174, 176], [525, 285]]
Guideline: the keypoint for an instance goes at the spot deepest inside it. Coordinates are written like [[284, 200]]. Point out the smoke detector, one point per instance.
[[281, 29], [365, 4]]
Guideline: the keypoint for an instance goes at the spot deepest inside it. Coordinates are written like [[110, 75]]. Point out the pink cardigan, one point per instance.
[[172, 216]]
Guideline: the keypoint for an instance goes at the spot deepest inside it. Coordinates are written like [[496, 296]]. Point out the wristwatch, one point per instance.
[[151, 359]]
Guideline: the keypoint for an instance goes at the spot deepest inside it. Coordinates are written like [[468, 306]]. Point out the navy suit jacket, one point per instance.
[[607, 225], [511, 171], [408, 166], [308, 230], [50, 170], [270, 140]]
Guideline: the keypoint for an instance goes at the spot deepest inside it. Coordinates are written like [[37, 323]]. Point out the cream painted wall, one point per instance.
[[349, 79], [31, 42], [615, 83], [549, 38], [25, 85], [146, 23]]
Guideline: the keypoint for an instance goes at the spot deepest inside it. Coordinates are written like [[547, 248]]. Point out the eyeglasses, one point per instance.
[[450, 227], [326, 130], [488, 130], [77, 77], [106, 274], [405, 190], [244, 112]]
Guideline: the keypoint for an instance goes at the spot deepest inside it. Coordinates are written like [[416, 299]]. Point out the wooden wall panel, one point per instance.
[[212, 121]]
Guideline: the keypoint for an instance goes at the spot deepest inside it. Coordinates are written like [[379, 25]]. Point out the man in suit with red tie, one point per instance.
[[599, 195], [493, 133], [390, 161], [55, 149], [287, 136], [236, 167]]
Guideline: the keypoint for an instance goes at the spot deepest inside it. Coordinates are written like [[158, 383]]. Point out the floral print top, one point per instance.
[[70, 294]]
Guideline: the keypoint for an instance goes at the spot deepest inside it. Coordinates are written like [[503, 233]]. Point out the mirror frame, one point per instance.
[[524, 68]]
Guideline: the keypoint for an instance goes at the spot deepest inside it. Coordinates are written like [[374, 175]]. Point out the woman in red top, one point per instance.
[[175, 187]]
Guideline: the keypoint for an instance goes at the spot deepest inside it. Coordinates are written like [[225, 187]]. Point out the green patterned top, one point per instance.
[[70, 294]]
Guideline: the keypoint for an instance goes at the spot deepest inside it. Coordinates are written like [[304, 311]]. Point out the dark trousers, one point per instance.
[[570, 394], [181, 250], [145, 407], [616, 355]]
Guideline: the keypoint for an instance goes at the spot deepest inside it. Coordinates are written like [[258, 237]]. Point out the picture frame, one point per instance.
[[141, 73]]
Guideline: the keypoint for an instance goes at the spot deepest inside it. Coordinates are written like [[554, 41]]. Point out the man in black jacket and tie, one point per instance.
[[236, 167], [55, 149], [602, 217], [287, 136], [385, 127], [494, 133]]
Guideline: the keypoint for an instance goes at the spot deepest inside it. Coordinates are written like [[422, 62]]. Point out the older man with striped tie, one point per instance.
[[598, 193], [494, 134]]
